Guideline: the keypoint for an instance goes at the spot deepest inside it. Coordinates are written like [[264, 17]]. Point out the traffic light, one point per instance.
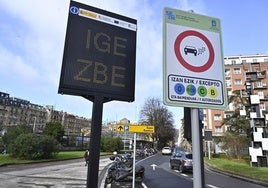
[[187, 124]]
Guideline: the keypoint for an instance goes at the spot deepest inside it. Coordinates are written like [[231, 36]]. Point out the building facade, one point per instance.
[[15, 111], [249, 75], [236, 69]]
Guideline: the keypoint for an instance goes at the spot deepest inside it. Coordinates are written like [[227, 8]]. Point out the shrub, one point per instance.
[[23, 146], [110, 144], [14, 132], [30, 146], [48, 147]]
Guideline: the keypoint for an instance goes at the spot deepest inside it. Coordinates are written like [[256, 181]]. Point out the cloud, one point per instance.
[[13, 66], [32, 39]]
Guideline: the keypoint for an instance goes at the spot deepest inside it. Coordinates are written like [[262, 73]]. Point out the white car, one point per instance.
[[166, 150]]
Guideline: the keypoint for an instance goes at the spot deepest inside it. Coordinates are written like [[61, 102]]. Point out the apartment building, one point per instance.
[[15, 111], [236, 69], [247, 74]]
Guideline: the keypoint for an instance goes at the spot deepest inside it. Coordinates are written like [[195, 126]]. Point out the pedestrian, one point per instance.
[[86, 156]]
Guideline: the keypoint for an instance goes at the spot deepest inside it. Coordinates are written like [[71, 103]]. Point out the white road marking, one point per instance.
[[212, 186], [143, 185]]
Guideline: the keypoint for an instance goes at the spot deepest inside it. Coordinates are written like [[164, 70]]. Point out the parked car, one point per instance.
[[181, 160], [166, 150]]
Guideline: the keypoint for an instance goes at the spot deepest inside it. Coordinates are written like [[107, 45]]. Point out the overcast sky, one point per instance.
[[32, 36]]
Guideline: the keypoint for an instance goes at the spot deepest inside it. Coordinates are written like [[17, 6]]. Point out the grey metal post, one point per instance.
[[208, 150], [197, 180], [134, 161]]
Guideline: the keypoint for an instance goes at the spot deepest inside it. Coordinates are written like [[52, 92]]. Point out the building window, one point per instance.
[[233, 62], [255, 61], [262, 106], [237, 71], [244, 60], [218, 129], [238, 82], [217, 117], [261, 94], [204, 117], [228, 83], [227, 72]]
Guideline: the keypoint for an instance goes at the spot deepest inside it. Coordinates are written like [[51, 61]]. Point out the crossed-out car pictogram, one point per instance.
[[190, 49]]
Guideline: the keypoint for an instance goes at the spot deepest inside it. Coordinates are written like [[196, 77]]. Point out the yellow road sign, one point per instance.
[[141, 128], [120, 128], [135, 128]]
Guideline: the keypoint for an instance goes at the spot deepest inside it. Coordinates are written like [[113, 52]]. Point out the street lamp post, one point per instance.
[[34, 124]]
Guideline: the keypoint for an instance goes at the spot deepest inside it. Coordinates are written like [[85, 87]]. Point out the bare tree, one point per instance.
[[154, 113]]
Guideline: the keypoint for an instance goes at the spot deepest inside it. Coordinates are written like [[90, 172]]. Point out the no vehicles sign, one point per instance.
[[193, 61]]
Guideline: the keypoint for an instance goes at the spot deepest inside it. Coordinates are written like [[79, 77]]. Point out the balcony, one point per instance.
[[260, 85], [218, 134], [264, 98], [227, 74], [252, 76], [261, 74]]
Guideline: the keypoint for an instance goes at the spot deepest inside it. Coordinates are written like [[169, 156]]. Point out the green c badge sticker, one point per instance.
[[202, 91]]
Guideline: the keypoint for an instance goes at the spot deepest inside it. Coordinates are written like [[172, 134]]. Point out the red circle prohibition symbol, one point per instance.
[[184, 63]]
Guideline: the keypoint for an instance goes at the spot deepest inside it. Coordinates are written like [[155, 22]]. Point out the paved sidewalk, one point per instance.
[[66, 174]]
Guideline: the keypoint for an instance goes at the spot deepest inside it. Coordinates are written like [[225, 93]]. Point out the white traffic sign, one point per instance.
[[193, 61]]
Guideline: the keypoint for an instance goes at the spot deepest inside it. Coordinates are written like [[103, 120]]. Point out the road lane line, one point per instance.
[[212, 186], [143, 185]]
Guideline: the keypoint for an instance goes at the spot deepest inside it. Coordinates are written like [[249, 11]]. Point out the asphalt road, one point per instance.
[[162, 176], [73, 174]]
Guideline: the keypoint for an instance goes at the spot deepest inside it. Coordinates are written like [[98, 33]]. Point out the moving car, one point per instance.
[[166, 150], [178, 149], [181, 160]]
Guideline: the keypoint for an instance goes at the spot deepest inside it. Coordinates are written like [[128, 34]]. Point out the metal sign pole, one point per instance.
[[201, 157], [95, 137], [197, 182], [209, 150], [134, 161]]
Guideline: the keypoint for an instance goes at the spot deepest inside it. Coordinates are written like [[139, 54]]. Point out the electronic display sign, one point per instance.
[[99, 54]]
